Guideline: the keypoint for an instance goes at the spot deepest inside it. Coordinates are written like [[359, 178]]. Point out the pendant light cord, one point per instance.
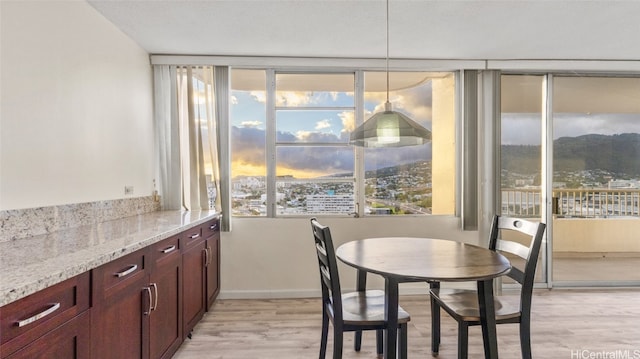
[[387, 63]]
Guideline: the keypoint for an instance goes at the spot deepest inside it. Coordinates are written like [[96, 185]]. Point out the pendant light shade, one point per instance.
[[389, 128]]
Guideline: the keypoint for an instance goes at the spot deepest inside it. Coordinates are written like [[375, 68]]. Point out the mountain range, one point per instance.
[[619, 154]]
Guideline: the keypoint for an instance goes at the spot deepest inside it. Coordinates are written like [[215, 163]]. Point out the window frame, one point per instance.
[[271, 143]]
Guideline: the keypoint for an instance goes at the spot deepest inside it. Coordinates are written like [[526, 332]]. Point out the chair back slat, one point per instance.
[[328, 268], [513, 248], [526, 275]]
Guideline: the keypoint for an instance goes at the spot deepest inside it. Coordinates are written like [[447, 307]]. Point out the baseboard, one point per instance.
[[269, 294], [312, 293]]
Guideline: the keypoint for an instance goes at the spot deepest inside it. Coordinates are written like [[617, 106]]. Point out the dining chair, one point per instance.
[[349, 312], [462, 305]]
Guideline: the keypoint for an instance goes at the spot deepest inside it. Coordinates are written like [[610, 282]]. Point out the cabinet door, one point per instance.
[[165, 320], [193, 286], [68, 341], [25, 320], [213, 268], [122, 303]]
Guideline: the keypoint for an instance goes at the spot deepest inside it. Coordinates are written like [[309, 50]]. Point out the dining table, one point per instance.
[[412, 259]]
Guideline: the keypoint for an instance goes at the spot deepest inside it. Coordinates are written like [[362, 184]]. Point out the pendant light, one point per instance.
[[389, 128]]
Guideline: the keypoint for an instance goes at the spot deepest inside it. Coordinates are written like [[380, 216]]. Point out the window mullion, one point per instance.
[[359, 151], [271, 143]]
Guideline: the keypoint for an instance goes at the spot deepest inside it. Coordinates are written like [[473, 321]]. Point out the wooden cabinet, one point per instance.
[[211, 233], [193, 276], [123, 300], [165, 327], [52, 323], [141, 305]]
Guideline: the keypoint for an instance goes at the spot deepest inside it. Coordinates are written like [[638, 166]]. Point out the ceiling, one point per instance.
[[427, 29]]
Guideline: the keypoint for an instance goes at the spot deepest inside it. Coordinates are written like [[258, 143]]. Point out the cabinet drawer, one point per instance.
[[166, 248], [120, 270], [211, 228], [29, 318], [70, 340], [191, 237]]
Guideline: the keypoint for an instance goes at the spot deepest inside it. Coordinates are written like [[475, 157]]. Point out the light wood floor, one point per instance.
[[566, 323]]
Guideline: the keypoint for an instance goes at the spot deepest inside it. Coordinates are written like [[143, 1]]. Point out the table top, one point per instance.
[[409, 258]]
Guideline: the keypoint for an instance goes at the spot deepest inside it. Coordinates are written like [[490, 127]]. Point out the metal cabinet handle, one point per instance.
[[148, 311], [205, 251], [213, 226], [194, 236], [126, 272], [155, 296], [38, 316], [169, 249]]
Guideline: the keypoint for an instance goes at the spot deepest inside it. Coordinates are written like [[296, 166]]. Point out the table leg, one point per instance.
[[361, 285], [391, 299], [488, 318]]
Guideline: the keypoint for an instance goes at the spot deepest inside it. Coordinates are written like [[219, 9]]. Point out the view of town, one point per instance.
[[407, 189], [395, 190]]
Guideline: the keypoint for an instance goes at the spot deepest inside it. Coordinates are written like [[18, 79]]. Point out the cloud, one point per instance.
[[348, 121], [248, 144], [248, 148], [320, 125], [255, 124], [524, 128], [292, 98], [415, 103], [259, 96]]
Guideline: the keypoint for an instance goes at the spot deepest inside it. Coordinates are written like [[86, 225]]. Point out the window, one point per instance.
[[248, 156], [290, 144], [314, 163]]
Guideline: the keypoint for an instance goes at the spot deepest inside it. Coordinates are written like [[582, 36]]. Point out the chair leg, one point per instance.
[[525, 339], [403, 347], [325, 333], [337, 342], [357, 340], [463, 340], [379, 341]]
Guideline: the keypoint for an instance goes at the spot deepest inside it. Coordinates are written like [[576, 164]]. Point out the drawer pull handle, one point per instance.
[[39, 316], [169, 249], [155, 297], [126, 272], [150, 307], [213, 226], [194, 236]]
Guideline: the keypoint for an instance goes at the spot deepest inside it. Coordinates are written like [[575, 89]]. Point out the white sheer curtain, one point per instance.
[[196, 112], [167, 140]]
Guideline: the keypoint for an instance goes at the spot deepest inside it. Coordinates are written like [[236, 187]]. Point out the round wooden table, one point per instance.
[[408, 259]]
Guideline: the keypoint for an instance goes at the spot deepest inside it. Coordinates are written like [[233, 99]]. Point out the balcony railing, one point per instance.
[[573, 203]]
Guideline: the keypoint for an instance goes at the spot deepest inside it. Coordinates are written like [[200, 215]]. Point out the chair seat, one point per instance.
[[367, 307], [464, 304]]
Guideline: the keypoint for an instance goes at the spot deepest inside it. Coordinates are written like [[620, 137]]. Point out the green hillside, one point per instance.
[[616, 154]]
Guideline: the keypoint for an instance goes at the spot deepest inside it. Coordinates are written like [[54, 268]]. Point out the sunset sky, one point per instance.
[[248, 120]]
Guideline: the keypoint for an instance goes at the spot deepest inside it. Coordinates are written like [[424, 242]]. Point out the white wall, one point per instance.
[[76, 116], [76, 126], [272, 258]]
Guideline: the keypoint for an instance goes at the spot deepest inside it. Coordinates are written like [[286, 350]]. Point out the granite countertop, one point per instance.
[[31, 264]]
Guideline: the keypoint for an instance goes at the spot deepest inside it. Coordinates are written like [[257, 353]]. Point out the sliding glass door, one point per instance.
[[520, 153], [596, 180], [570, 156]]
